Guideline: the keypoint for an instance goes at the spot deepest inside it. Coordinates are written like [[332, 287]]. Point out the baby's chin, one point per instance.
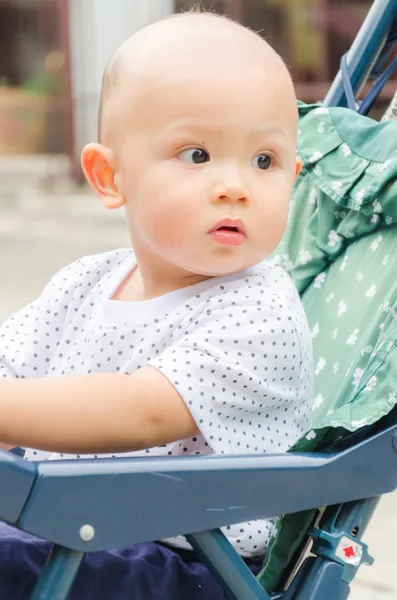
[[222, 268]]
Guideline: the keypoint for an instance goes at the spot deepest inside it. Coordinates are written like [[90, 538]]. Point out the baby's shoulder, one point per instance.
[[266, 284], [87, 271], [93, 267], [86, 277], [263, 297]]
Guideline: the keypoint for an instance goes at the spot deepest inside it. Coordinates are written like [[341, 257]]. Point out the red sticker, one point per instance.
[[349, 552]]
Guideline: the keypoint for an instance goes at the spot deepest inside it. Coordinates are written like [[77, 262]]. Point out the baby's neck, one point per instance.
[[134, 288]]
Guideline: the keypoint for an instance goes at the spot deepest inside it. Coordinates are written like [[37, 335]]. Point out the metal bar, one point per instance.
[[278, 484], [215, 550], [58, 575], [322, 582], [322, 573], [354, 517], [365, 49]]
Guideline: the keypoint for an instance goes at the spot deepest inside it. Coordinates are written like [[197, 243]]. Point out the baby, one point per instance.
[[192, 342]]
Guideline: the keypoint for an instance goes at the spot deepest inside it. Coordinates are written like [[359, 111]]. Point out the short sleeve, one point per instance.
[[240, 371], [30, 338]]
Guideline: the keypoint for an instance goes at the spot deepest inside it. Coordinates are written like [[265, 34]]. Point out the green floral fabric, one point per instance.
[[339, 249]]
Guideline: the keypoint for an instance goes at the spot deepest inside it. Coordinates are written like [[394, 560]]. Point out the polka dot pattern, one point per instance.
[[236, 348]]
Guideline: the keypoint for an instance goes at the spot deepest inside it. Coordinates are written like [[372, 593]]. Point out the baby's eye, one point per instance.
[[262, 161], [196, 156]]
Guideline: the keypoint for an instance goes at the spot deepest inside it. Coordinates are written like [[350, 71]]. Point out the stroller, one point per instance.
[[339, 250]]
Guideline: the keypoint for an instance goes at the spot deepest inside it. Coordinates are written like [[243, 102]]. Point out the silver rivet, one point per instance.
[[87, 532]]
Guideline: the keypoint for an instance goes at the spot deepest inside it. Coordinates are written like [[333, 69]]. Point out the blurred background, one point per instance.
[[52, 54]]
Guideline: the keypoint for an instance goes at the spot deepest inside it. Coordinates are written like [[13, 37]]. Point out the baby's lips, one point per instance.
[[229, 223]]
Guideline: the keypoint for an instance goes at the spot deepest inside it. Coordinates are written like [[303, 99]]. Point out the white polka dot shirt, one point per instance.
[[236, 348]]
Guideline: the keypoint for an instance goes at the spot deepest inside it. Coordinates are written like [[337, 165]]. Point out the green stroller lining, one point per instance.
[[339, 249]]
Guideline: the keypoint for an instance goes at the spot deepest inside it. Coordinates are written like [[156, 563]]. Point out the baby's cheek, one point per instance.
[[168, 222], [273, 220]]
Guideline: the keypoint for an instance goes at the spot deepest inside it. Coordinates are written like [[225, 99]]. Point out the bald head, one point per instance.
[[183, 43]]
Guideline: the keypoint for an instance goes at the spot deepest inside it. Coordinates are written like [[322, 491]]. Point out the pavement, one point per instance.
[[41, 231]]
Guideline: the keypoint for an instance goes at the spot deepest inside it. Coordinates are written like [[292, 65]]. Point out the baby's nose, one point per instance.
[[230, 192]]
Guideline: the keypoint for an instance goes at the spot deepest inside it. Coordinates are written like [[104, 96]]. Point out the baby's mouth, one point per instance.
[[224, 228], [230, 232]]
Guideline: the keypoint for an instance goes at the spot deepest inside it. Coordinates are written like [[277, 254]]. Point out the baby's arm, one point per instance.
[[94, 413]]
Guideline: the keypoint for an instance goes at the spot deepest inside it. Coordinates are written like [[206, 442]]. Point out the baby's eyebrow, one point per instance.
[[270, 128], [184, 129]]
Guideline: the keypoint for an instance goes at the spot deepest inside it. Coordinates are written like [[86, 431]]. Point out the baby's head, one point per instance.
[[198, 125]]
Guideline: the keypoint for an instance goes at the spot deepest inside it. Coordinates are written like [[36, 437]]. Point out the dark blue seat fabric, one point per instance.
[[142, 572]]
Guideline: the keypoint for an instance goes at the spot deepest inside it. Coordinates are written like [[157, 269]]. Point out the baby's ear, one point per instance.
[[298, 168], [96, 162]]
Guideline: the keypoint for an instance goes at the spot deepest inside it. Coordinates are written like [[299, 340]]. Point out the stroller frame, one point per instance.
[[125, 516]]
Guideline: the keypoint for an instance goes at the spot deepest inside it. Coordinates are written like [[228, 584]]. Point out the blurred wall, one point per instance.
[[52, 54], [96, 28]]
